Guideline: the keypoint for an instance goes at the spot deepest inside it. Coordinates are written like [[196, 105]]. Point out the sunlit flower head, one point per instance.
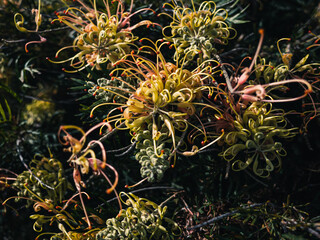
[[195, 33], [102, 37]]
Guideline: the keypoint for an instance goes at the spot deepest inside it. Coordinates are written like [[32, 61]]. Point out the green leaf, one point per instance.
[[291, 236], [5, 116], [301, 62], [84, 97], [12, 93]]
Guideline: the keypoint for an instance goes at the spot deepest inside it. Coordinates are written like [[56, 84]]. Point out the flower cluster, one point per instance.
[[254, 135], [102, 38], [195, 33], [175, 97], [142, 219]]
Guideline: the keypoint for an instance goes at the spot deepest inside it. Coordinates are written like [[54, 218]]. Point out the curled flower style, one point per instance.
[[256, 138], [195, 33], [142, 219], [85, 159], [51, 182], [102, 38], [19, 19], [164, 99], [240, 85], [19, 23], [285, 70], [109, 90]]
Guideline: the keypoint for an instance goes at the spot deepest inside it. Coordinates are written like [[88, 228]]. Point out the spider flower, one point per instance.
[[46, 180], [85, 159], [163, 89], [274, 78], [163, 101], [102, 38], [256, 138], [195, 33], [142, 219]]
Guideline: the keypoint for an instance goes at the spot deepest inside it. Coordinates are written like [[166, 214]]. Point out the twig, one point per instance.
[[119, 149], [172, 196], [212, 220], [247, 172], [310, 230], [314, 233], [138, 190], [109, 134], [186, 206], [14, 41], [127, 151], [54, 29], [224, 71], [178, 145]]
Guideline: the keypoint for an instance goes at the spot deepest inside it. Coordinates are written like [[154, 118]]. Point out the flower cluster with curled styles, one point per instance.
[[85, 159], [164, 96], [256, 139], [253, 130], [46, 180], [288, 71], [195, 33], [108, 90], [154, 162], [175, 95], [45, 186], [253, 91], [142, 219], [102, 38]]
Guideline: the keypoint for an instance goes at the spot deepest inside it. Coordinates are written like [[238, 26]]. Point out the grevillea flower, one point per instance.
[[195, 33], [51, 182], [101, 36], [142, 219], [19, 22], [85, 159], [163, 100], [238, 85], [255, 140]]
